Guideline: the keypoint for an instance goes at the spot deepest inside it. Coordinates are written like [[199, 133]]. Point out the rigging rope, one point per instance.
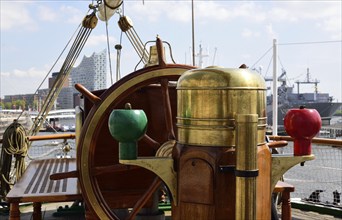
[[108, 48], [126, 25], [261, 57], [53, 66], [14, 145], [88, 24], [118, 48], [14, 139]]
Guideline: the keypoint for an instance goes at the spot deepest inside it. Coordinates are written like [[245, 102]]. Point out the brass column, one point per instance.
[[246, 166]]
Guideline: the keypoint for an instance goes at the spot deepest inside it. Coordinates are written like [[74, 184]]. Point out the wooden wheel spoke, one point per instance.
[[167, 107], [150, 142], [111, 169], [147, 195], [95, 163]]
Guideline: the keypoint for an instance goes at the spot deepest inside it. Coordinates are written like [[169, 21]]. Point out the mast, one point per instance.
[[193, 32], [201, 55], [275, 91], [308, 81]]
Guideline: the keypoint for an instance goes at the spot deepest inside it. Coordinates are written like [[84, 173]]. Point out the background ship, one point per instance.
[[288, 99]]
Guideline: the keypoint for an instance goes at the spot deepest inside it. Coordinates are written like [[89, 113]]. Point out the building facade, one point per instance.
[[91, 73]]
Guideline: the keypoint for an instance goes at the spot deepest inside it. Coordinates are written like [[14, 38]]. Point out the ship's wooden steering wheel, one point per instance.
[[106, 184]]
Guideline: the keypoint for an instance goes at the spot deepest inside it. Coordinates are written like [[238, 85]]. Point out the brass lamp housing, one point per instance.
[[209, 100]]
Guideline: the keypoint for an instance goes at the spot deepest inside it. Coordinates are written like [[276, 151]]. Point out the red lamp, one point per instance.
[[302, 125]]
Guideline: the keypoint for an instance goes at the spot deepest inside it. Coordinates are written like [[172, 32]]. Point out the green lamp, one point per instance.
[[127, 126]]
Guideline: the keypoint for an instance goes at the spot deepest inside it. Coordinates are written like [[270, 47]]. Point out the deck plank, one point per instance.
[[35, 185]]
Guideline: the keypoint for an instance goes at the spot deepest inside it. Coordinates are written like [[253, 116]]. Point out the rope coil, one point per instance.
[[14, 145]]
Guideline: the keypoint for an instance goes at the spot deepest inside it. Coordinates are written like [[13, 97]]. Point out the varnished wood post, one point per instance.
[[286, 206], [88, 215], [14, 211], [37, 211], [285, 189]]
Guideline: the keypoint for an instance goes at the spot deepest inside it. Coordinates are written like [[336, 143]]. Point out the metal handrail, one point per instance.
[[324, 141]]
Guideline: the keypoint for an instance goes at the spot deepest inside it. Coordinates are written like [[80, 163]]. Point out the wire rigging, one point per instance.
[[261, 57], [310, 42], [108, 49], [88, 24], [54, 64], [296, 43], [268, 67], [281, 64]]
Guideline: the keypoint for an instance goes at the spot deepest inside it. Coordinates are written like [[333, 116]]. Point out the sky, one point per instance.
[[308, 34]]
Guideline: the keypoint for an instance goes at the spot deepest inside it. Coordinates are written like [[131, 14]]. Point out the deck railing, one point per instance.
[[322, 175], [319, 181]]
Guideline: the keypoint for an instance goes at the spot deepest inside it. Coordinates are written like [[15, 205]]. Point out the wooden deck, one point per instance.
[[49, 209], [35, 186]]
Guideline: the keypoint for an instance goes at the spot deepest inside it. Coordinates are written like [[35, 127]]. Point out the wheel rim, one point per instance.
[[96, 118]]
